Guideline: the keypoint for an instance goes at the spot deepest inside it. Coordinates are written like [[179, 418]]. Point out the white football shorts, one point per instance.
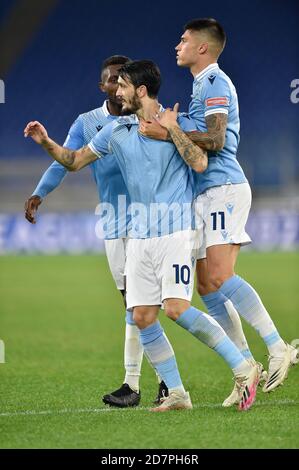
[[224, 211], [160, 268], [116, 256]]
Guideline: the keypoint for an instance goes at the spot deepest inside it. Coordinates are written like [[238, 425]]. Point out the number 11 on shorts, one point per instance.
[[222, 219]]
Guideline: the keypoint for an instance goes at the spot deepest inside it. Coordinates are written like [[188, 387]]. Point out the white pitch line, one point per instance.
[[139, 408]]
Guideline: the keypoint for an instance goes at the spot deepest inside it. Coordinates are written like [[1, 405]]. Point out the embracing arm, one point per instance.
[[191, 153], [214, 138], [73, 160]]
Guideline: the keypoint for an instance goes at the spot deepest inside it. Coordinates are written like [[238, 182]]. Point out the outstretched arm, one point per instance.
[[192, 154], [73, 160], [55, 174], [48, 182]]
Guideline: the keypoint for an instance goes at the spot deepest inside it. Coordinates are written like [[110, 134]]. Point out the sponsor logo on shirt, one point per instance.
[[218, 101]]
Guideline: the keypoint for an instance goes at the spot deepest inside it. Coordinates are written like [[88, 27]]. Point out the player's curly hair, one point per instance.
[[143, 72]]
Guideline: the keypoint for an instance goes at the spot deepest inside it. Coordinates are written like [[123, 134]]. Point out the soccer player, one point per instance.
[[110, 185], [161, 252], [225, 194]]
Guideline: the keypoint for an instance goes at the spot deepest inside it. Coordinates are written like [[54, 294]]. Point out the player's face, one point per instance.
[[186, 50], [109, 84], [128, 96]]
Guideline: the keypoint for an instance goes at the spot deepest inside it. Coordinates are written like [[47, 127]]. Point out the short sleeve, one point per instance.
[[75, 137], [99, 145], [186, 123], [216, 95]]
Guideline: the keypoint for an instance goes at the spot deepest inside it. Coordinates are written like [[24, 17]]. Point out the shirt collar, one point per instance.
[[134, 116], [105, 109], [206, 71]]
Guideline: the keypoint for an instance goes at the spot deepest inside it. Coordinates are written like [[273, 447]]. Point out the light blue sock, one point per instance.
[[249, 305], [223, 311], [130, 321], [208, 331], [160, 353], [129, 318]]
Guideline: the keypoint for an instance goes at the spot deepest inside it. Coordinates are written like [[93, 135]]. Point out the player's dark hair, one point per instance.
[[212, 26], [143, 72], [115, 60]]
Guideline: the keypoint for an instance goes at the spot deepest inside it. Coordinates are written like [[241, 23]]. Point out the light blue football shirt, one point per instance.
[[158, 180], [214, 92], [113, 193]]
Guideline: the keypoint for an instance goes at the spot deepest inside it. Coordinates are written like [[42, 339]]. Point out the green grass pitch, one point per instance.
[[62, 322]]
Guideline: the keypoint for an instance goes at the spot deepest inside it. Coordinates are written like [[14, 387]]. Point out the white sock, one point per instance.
[[133, 357], [180, 390], [242, 369]]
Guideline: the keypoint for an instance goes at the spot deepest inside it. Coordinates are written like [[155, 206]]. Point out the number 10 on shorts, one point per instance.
[[182, 274]]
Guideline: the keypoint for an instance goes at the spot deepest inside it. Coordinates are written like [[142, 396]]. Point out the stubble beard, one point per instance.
[[133, 107]]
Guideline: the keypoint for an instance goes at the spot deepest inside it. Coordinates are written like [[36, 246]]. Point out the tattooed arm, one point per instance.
[[191, 153], [214, 138], [73, 160]]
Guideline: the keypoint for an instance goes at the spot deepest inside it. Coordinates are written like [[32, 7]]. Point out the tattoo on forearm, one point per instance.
[[215, 137], [193, 155], [63, 155], [168, 138]]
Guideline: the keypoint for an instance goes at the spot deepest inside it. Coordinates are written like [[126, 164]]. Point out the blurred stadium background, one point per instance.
[[61, 319], [51, 53]]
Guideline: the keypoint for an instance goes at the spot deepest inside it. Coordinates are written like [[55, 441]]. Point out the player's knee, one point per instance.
[[139, 316], [172, 313], [203, 287], [174, 308], [216, 279], [144, 317]]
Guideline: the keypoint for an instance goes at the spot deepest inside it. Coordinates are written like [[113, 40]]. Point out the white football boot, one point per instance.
[[175, 401], [279, 367], [247, 388], [234, 397]]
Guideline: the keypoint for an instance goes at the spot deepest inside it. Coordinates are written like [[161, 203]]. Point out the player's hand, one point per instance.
[[36, 131], [168, 118], [31, 206], [153, 129]]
